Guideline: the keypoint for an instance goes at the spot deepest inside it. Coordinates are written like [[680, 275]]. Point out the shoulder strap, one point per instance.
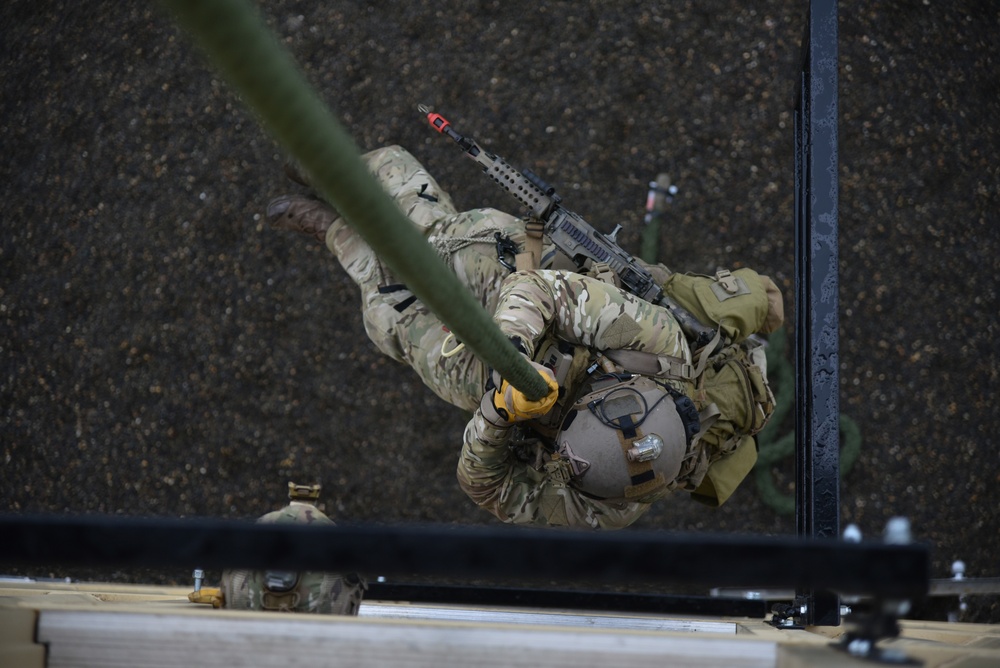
[[531, 256], [650, 364]]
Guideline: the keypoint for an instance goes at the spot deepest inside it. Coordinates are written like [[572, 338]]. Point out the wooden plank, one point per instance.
[[544, 618], [139, 599], [136, 625], [98, 638], [17, 639]]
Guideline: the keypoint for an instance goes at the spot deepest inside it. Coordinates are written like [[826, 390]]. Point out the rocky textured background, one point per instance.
[[165, 353]]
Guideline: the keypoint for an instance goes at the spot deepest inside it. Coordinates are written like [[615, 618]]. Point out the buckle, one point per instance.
[[725, 278]]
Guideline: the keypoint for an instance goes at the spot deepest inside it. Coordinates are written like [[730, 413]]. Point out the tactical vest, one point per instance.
[[729, 389]]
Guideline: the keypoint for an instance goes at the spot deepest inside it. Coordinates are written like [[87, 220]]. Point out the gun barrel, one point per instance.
[[516, 184]]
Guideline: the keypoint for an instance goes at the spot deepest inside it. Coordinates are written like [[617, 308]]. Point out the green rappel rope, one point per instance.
[[267, 78]]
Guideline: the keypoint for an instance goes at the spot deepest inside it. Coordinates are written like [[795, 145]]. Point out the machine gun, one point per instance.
[[570, 233]]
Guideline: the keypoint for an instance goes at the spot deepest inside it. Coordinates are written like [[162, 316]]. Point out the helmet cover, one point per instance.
[[625, 438]]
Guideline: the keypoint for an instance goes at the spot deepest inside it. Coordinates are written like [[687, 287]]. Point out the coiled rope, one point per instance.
[[773, 449]]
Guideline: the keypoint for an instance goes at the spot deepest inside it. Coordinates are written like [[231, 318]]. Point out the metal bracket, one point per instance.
[[879, 619], [880, 623], [787, 615]]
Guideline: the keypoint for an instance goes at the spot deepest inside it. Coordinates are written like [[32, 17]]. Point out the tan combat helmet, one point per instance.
[[290, 591], [625, 438]]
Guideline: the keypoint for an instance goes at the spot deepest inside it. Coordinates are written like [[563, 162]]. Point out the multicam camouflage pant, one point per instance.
[[400, 325]]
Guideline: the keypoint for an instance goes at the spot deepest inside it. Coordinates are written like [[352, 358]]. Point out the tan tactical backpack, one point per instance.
[[731, 390]]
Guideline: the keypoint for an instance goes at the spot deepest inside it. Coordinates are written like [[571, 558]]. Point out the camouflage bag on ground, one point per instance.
[[290, 591]]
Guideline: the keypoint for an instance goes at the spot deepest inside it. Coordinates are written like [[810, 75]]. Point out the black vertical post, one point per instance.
[[817, 419]]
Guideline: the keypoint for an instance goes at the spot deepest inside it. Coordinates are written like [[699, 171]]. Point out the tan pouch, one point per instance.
[[737, 389], [738, 301], [725, 475]]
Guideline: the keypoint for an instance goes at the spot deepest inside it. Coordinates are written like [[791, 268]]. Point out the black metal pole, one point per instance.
[[817, 419]]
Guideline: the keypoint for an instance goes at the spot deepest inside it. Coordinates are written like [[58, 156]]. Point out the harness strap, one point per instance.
[[403, 305], [397, 287], [706, 353], [650, 364], [531, 257], [707, 418], [424, 194]]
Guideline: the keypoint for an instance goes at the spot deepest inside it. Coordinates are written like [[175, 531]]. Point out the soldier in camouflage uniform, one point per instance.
[[288, 591], [516, 464]]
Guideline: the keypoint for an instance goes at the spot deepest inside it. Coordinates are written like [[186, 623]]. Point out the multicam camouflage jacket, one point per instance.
[[584, 312]]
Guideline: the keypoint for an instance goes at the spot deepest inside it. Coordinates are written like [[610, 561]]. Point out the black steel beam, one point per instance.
[[817, 429], [463, 552]]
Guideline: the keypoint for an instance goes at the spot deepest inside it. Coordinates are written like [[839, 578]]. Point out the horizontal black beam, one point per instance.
[[561, 599], [468, 552]]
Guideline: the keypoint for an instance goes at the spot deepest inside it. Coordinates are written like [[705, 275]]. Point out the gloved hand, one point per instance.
[[512, 405]]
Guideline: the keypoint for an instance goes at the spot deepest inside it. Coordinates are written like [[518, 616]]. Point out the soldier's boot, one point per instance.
[[300, 213]]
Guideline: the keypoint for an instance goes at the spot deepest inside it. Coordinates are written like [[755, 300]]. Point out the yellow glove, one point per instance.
[[513, 405], [211, 595]]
